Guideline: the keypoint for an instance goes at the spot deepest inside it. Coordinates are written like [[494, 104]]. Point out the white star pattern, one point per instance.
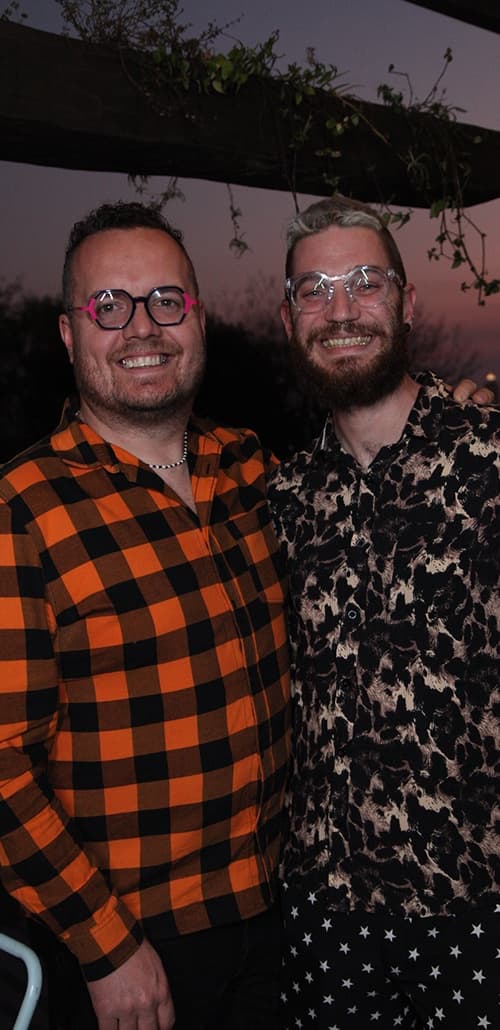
[[352, 987]]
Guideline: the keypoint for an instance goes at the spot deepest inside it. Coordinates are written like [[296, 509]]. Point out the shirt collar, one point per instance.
[[424, 419], [77, 444]]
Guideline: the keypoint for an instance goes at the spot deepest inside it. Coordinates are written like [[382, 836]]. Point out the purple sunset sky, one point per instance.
[[362, 40]]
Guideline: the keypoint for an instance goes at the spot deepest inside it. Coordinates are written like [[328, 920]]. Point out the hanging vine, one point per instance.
[[170, 60]]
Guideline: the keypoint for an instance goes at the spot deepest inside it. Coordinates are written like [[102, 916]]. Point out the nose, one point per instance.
[[341, 307], [141, 324]]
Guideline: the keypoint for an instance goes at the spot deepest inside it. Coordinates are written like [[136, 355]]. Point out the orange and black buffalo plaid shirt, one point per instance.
[[144, 722]]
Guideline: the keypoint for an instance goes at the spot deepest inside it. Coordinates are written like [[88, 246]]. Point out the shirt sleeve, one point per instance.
[[271, 462], [42, 862]]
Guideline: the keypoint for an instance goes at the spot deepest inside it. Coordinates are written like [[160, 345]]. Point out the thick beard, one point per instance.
[[350, 383]]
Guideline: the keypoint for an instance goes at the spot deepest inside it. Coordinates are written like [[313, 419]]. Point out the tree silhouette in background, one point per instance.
[[248, 381], [35, 374]]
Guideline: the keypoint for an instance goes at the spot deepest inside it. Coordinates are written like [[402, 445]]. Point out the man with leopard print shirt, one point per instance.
[[389, 528]]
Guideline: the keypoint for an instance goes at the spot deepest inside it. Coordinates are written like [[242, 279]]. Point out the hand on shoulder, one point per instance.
[[467, 389]]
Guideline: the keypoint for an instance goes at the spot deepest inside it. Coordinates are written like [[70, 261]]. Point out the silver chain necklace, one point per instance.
[[174, 464]]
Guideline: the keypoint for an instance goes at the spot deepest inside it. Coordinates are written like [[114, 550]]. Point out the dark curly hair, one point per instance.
[[121, 215]]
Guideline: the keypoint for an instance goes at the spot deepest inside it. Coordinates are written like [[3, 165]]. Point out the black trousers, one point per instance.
[[225, 978], [347, 971]]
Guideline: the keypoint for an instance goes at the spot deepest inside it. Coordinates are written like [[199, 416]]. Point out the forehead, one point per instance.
[[133, 259], [337, 249]]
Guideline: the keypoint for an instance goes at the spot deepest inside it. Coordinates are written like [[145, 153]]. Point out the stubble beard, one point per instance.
[[350, 383], [139, 409]]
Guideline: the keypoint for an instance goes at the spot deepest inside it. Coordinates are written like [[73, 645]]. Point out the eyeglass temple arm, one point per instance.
[[90, 307], [189, 302]]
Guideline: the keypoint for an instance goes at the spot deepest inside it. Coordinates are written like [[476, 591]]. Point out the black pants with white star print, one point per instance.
[[349, 971]]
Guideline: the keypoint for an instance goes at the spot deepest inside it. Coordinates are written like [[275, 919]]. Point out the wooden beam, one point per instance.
[[70, 104], [485, 14]]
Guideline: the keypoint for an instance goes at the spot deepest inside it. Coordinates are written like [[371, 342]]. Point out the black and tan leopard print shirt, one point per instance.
[[394, 622]]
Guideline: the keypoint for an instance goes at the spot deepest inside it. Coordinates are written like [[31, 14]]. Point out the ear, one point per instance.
[[66, 335], [286, 317], [409, 299]]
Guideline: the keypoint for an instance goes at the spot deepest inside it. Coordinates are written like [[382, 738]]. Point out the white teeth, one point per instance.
[[144, 361], [346, 341]]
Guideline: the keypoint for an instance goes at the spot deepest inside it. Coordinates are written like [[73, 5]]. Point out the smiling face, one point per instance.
[[347, 355], [144, 373]]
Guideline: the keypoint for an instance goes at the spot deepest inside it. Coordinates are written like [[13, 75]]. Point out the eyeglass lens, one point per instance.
[[367, 286], [114, 308]]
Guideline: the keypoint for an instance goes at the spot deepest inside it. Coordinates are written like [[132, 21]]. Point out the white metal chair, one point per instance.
[[34, 973]]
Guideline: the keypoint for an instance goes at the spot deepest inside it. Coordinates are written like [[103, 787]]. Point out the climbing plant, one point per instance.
[[169, 61]]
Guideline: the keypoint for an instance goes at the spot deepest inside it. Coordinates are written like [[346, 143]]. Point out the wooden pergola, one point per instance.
[[71, 104], [485, 14]]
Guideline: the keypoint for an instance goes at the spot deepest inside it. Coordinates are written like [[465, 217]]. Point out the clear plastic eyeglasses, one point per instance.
[[114, 309], [364, 284]]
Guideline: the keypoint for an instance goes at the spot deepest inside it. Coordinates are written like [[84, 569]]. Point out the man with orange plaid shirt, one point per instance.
[[144, 735]]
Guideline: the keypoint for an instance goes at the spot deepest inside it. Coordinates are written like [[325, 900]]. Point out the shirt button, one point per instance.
[[353, 615]]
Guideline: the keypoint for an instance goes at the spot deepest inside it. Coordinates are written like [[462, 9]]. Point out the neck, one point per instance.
[[364, 431], [153, 442]]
